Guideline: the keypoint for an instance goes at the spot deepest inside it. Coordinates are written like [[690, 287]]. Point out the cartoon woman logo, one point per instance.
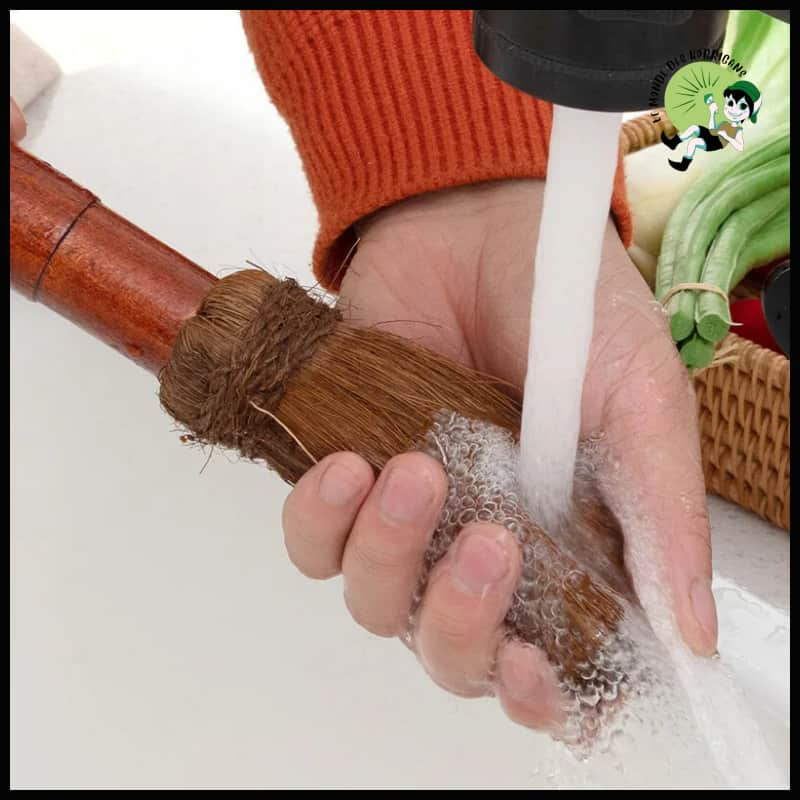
[[741, 101]]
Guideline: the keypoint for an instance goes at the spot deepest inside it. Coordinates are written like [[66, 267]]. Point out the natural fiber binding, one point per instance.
[[742, 400], [693, 287], [700, 287], [697, 287]]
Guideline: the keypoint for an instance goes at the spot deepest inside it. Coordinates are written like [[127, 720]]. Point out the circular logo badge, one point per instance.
[[710, 104], [692, 90]]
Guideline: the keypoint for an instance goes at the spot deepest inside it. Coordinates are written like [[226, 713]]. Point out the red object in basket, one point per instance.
[[752, 323]]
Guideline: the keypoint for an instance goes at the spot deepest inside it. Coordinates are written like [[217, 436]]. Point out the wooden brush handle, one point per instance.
[[97, 269]]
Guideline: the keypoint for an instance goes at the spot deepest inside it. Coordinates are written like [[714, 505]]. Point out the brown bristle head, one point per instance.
[[256, 340], [267, 370]]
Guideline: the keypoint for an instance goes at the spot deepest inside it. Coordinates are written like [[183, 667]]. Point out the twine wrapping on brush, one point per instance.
[[239, 379], [263, 366]]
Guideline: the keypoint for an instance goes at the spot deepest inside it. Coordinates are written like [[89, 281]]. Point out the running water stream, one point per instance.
[[580, 175], [695, 724]]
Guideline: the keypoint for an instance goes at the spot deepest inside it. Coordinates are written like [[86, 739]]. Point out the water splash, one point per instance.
[[646, 713], [719, 711]]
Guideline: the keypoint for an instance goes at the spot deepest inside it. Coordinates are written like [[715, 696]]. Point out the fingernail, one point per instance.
[[339, 485], [405, 496], [480, 561], [704, 607]]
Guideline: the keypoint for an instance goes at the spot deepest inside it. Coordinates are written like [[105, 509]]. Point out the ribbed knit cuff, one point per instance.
[[384, 105]]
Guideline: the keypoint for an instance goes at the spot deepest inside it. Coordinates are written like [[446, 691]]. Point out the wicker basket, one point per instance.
[[742, 406]]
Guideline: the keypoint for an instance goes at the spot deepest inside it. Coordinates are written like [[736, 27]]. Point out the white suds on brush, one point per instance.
[[672, 720]]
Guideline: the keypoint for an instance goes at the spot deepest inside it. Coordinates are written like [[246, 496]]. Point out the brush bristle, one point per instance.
[[238, 378]]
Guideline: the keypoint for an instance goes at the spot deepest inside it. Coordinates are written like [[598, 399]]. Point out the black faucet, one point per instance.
[[596, 60]]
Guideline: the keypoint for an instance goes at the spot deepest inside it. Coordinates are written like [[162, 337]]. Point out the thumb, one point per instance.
[[651, 425]]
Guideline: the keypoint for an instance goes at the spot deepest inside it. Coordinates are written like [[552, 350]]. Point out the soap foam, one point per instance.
[[645, 711], [481, 461]]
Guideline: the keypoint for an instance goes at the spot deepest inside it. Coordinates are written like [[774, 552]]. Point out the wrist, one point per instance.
[[498, 216]]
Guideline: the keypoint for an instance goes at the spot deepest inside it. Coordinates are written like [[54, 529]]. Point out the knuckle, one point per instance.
[[381, 557], [300, 539], [315, 554], [367, 616], [455, 660], [319, 566], [449, 630], [305, 539], [296, 517], [698, 525], [421, 463]]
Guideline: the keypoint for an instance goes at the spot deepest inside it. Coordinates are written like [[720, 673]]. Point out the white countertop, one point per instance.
[[160, 636]]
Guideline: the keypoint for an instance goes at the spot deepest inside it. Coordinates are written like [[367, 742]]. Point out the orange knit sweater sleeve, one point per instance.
[[384, 105]]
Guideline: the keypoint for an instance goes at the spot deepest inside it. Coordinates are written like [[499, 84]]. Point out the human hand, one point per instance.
[[453, 271], [18, 126]]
